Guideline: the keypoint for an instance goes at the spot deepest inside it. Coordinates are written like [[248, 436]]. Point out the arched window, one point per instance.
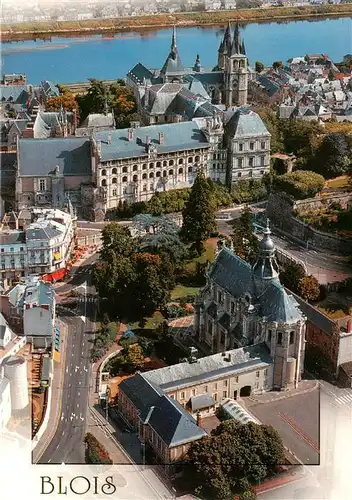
[[135, 168], [124, 170], [135, 178], [124, 178], [103, 182], [114, 171], [144, 176], [114, 180], [158, 164], [197, 158], [279, 338], [158, 174], [292, 338], [269, 335], [180, 161], [164, 173], [151, 175], [103, 172], [171, 172], [171, 162], [180, 170], [151, 165], [190, 159], [190, 170], [164, 163], [144, 166]]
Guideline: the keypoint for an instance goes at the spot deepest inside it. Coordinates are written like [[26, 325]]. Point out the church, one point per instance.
[[175, 93], [243, 305]]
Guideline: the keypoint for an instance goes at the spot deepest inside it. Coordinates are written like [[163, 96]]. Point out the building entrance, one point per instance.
[[245, 391]]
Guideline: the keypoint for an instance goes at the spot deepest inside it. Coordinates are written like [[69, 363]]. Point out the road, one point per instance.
[[67, 444], [327, 268]]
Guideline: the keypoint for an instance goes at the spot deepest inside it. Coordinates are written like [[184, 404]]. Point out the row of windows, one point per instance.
[[217, 386], [158, 164], [241, 146], [145, 176], [251, 162], [279, 337], [250, 173]]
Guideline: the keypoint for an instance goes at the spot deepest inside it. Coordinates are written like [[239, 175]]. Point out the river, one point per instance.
[[67, 60]]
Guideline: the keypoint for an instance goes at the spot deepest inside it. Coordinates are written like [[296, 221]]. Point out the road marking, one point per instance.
[[62, 416], [63, 432], [66, 369], [79, 383], [57, 446], [77, 405], [299, 431], [79, 393], [49, 460]]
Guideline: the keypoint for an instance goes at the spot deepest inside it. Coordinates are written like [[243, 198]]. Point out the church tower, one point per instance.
[[236, 72], [265, 269], [173, 69], [224, 48]]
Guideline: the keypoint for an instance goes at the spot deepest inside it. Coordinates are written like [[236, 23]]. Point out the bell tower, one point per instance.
[[236, 72]]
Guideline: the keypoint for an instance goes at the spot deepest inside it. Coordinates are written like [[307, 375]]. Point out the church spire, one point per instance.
[[197, 66], [173, 51], [266, 267], [236, 44]]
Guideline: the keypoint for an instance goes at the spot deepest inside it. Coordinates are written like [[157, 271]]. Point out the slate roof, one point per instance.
[[246, 123], [41, 130], [211, 78], [49, 88], [12, 238], [177, 136], [39, 157], [99, 120], [139, 72], [194, 85], [200, 402], [167, 417], [173, 65], [315, 316], [235, 276], [244, 359], [14, 93], [42, 231]]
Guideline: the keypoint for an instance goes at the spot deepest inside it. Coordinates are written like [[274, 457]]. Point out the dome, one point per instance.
[[267, 244]]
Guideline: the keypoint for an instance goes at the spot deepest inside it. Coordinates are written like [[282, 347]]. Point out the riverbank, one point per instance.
[[45, 30]]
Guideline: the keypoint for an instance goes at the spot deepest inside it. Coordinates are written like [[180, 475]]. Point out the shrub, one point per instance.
[[95, 452], [249, 191], [174, 311], [300, 184]]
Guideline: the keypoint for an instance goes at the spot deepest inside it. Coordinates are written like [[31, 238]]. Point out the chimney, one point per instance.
[[109, 137], [147, 140], [349, 326], [130, 134], [199, 419], [161, 138]]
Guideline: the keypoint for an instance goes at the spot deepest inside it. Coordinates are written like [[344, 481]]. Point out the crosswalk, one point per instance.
[[345, 398]]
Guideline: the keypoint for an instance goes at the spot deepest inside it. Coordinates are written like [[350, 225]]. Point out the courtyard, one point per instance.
[[297, 420]]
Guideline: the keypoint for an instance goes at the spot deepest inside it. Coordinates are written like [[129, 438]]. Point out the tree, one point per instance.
[[134, 356], [300, 184], [331, 158], [235, 457], [199, 213], [309, 288], [245, 243], [66, 100], [291, 276], [259, 66], [95, 452], [95, 100], [277, 65]]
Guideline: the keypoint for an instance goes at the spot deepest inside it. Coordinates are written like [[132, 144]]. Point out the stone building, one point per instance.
[[133, 164], [243, 305], [196, 91]]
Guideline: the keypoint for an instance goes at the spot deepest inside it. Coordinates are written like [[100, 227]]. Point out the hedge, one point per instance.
[[300, 184]]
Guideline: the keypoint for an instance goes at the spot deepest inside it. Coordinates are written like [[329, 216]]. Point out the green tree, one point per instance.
[[274, 126], [277, 65], [134, 356], [245, 243], [95, 100], [259, 66], [199, 213], [66, 99], [235, 457], [291, 275], [309, 288], [300, 184], [331, 158]]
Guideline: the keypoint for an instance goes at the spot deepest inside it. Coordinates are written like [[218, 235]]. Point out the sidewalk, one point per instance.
[[304, 387], [56, 400]]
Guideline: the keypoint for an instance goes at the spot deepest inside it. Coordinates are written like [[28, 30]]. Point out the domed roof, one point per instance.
[[267, 244]]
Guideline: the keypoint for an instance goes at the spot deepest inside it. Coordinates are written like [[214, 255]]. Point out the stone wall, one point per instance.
[[280, 210]]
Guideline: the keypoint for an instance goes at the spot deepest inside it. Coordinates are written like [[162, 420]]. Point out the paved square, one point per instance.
[[297, 419]]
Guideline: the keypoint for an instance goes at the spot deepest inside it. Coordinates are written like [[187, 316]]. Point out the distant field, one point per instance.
[[20, 31]]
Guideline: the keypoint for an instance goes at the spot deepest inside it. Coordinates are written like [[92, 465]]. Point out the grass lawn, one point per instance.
[[338, 182], [207, 255], [151, 323], [182, 291], [332, 310]]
